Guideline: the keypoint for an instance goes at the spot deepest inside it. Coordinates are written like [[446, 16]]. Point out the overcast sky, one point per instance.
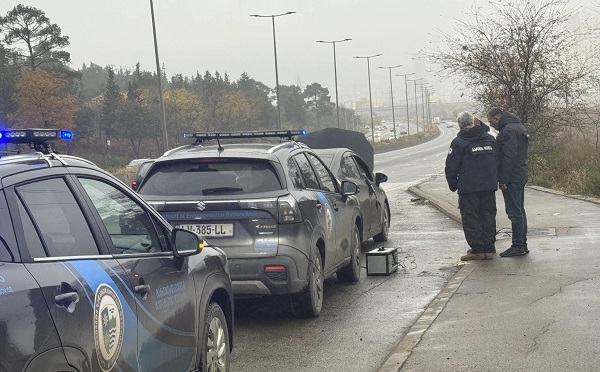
[[219, 35]]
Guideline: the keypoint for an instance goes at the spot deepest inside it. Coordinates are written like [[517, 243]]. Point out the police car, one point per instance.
[[284, 221], [93, 279]]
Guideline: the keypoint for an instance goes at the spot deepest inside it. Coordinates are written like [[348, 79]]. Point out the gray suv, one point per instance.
[[276, 210]]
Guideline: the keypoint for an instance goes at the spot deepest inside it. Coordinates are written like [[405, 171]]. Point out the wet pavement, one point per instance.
[[539, 312]]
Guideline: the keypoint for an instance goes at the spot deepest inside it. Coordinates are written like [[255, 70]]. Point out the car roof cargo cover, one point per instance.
[[334, 137]]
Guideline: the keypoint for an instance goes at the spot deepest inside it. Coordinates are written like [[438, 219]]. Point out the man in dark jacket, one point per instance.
[[471, 168], [513, 142]]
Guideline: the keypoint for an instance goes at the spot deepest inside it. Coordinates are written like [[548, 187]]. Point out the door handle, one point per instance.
[[141, 289], [319, 205], [64, 298], [335, 207]]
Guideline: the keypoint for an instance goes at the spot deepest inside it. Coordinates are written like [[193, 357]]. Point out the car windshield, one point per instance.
[[216, 176]]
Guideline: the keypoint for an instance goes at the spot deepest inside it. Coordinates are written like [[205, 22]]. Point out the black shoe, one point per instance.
[[525, 248], [513, 251]]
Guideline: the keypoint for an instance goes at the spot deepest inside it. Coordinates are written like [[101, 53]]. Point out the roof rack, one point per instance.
[[207, 136]]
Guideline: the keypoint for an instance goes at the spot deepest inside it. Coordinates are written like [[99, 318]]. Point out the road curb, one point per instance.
[[414, 335], [444, 207]]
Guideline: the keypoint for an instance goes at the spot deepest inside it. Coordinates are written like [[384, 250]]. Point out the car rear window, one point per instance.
[[208, 176]]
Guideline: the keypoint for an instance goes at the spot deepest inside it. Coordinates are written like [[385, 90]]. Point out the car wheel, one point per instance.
[[215, 343], [308, 303], [385, 227], [351, 273]]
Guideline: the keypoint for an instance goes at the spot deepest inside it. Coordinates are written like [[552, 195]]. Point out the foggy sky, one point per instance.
[[219, 35]]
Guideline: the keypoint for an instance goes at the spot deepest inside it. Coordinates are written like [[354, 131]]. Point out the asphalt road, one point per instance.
[[362, 323]]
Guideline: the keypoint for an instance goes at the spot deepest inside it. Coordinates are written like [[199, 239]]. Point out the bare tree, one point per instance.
[[522, 56]]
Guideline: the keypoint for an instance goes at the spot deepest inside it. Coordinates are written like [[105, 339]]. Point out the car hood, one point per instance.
[[334, 137]]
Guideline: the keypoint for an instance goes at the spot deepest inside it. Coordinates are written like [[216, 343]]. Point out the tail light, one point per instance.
[[134, 185], [285, 209], [288, 210]]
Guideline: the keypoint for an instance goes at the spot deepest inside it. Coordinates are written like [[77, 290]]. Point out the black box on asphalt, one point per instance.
[[382, 261]]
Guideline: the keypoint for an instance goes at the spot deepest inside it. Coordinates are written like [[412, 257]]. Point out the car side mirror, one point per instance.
[[186, 243], [349, 188], [379, 178]]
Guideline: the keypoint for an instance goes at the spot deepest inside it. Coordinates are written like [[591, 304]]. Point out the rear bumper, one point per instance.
[[249, 278]]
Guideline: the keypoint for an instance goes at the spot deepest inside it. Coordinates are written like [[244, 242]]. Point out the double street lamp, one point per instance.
[[337, 106], [370, 97], [392, 95], [272, 16], [406, 92]]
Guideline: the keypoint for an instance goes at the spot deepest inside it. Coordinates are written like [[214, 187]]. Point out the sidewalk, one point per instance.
[[539, 312]]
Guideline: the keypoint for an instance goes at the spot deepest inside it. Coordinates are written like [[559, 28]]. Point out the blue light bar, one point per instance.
[[33, 135], [205, 136]]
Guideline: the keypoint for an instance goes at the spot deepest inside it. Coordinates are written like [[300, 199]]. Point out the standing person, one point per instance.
[[513, 142], [471, 168]]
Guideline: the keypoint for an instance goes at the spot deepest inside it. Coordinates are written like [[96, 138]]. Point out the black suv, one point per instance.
[[94, 279], [275, 209]]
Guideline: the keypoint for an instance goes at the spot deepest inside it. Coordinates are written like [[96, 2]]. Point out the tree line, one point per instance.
[[115, 113]]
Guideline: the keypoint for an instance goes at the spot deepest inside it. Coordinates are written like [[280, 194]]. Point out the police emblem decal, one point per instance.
[[108, 326]]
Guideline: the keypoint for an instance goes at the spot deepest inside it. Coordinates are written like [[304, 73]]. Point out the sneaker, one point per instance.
[[513, 251], [470, 256]]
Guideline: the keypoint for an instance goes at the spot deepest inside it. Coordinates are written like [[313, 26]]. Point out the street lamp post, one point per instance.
[[272, 16], [337, 106], [368, 58], [406, 90], [159, 76], [392, 95], [416, 102]]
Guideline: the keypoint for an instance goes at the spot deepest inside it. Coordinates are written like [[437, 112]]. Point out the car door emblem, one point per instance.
[[201, 206], [108, 326]]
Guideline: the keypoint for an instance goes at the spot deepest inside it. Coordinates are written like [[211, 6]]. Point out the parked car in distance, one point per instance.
[[374, 206], [276, 210], [92, 278], [141, 173]]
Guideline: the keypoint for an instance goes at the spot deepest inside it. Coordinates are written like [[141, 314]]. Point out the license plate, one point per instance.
[[213, 230]]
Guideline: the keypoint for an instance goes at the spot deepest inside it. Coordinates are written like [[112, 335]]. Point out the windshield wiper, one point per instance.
[[221, 190]]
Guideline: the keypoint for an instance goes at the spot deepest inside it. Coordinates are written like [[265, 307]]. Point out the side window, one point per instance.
[[130, 227], [324, 176], [364, 170], [310, 178], [6, 233], [58, 218], [349, 167], [295, 175]]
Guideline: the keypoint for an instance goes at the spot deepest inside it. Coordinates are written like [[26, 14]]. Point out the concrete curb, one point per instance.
[[562, 193], [444, 207], [414, 335]]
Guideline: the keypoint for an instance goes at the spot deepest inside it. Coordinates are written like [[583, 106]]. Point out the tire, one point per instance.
[[351, 273], [214, 350], [308, 303], [385, 227]]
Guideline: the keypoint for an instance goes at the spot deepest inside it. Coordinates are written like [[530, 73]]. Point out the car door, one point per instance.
[[366, 195], [375, 210], [162, 286], [82, 284], [341, 212]]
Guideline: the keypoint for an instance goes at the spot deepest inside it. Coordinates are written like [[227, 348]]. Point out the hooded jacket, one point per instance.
[[471, 164], [513, 143]]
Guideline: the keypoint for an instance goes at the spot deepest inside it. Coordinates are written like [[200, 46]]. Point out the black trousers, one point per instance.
[[478, 212]]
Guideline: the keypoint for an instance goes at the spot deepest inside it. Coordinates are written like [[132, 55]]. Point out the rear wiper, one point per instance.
[[221, 190]]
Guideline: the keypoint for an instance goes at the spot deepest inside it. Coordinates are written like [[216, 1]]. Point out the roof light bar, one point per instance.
[[205, 136], [33, 135]]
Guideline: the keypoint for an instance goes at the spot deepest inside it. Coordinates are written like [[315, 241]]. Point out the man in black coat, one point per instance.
[[471, 168], [513, 143]]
